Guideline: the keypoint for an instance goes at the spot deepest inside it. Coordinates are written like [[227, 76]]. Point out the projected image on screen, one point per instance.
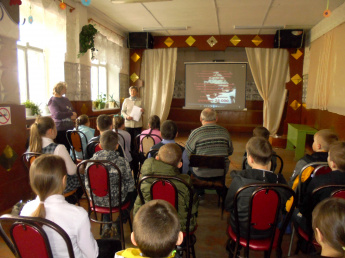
[[216, 85]]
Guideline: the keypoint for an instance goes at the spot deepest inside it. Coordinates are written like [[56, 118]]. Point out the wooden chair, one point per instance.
[[163, 188], [264, 207], [100, 187], [28, 239], [210, 162], [76, 140]]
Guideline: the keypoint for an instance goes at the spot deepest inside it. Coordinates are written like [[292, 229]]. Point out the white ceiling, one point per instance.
[[215, 17]]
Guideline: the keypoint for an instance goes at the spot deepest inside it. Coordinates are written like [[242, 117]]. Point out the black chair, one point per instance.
[[28, 158], [76, 140], [28, 239], [98, 180], [163, 188], [210, 162], [264, 207]]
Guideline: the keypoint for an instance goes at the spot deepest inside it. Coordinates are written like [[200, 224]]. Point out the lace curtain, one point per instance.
[[48, 32], [109, 47]]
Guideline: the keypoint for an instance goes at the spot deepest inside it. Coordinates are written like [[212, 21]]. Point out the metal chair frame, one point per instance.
[[273, 155], [92, 207], [69, 134], [266, 187], [36, 224], [189, 235]]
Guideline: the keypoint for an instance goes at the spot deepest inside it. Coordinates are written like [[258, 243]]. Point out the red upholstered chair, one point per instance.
[[28, 238], [321, 170], [163, 188], [339, 193], [99, 183], [264, 209], [76, 140]]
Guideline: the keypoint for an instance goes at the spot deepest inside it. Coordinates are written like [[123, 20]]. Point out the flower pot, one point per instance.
[[28, 111], [111, 104], [101, 105]]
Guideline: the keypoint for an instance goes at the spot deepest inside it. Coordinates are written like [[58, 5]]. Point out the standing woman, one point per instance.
[[133, 127], [62, 113]]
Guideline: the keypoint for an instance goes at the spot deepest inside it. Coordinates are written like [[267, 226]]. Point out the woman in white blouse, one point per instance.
[[47, 180]]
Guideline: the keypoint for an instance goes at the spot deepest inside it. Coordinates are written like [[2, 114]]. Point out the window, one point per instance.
[[99, 81], [31, 74]]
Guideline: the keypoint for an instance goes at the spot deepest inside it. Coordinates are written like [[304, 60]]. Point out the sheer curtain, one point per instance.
[[326, 72], [158, 70], [270, 71], [47, 32]]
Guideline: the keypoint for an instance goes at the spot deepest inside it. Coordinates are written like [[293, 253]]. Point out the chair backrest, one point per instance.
[[76, 139], [264, 208], [339, 193], [28, 238], [99, 181], [163, 188], [28, 158], [123, 142], [144, 142], [204, 161], [321, 170], [330, 190]]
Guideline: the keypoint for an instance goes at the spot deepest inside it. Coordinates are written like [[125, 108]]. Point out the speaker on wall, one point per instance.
[[140, 40], [289, 38]]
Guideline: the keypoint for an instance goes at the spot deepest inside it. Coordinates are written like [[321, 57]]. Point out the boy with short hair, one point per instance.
[[259, 152], [167, 163], [322, 140], [109, 144], [336, 161], [169, 133], [156, 231], [103, 123]]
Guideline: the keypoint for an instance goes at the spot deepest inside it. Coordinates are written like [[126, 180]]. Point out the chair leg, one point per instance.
[[100, 227], [291, 240], [130, 223]]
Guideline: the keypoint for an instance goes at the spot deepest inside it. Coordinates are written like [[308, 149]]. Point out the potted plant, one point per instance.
[[112, 102], [87, 40], [31, 108], [99, 103]]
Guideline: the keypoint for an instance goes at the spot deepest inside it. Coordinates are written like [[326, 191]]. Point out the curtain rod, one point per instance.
[[89, 20]]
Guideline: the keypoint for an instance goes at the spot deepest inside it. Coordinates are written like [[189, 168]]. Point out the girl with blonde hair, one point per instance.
[[47, 180]]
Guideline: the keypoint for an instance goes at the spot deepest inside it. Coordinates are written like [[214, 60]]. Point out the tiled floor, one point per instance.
[[211, 233]]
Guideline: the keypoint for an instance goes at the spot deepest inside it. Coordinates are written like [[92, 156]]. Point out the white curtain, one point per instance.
[[47, 32], [158, 70], [270, 71]]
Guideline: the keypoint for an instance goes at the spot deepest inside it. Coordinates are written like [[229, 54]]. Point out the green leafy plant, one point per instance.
[[87, 40], [34, 108], [112, 101], [100, 101]]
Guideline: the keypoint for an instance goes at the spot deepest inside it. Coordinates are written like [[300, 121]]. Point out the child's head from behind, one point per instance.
[[43, 126], [323, 139], [109, 140], [156, 229], [154, 122], [47, 177], [336, 156], [171, 154], [119, 121], [169, 130], [329, 226], [82, 120], [261, 131], [260, 150], [104, 123]]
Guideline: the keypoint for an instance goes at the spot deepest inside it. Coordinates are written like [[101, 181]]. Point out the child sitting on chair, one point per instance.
[[82, 123], [48, 181], [109, 144], [154, 125], [156, 231], [167, 163], [329, 227]]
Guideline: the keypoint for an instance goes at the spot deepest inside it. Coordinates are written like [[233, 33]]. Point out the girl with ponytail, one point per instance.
[[48, 180], [119, 128], [82, 123], [154, 126], [42, 135]]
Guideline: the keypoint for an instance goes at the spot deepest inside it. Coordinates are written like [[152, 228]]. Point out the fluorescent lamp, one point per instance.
[[249, 27], [164, 28]]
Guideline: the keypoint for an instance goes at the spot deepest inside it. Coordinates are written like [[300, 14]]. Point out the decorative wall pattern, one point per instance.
[[77, 77]]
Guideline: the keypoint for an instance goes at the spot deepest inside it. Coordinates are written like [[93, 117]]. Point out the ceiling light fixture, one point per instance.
[[249, 27], [164, 28]]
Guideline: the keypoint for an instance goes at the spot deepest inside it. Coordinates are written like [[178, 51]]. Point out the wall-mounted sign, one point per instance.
[[5, 115]]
